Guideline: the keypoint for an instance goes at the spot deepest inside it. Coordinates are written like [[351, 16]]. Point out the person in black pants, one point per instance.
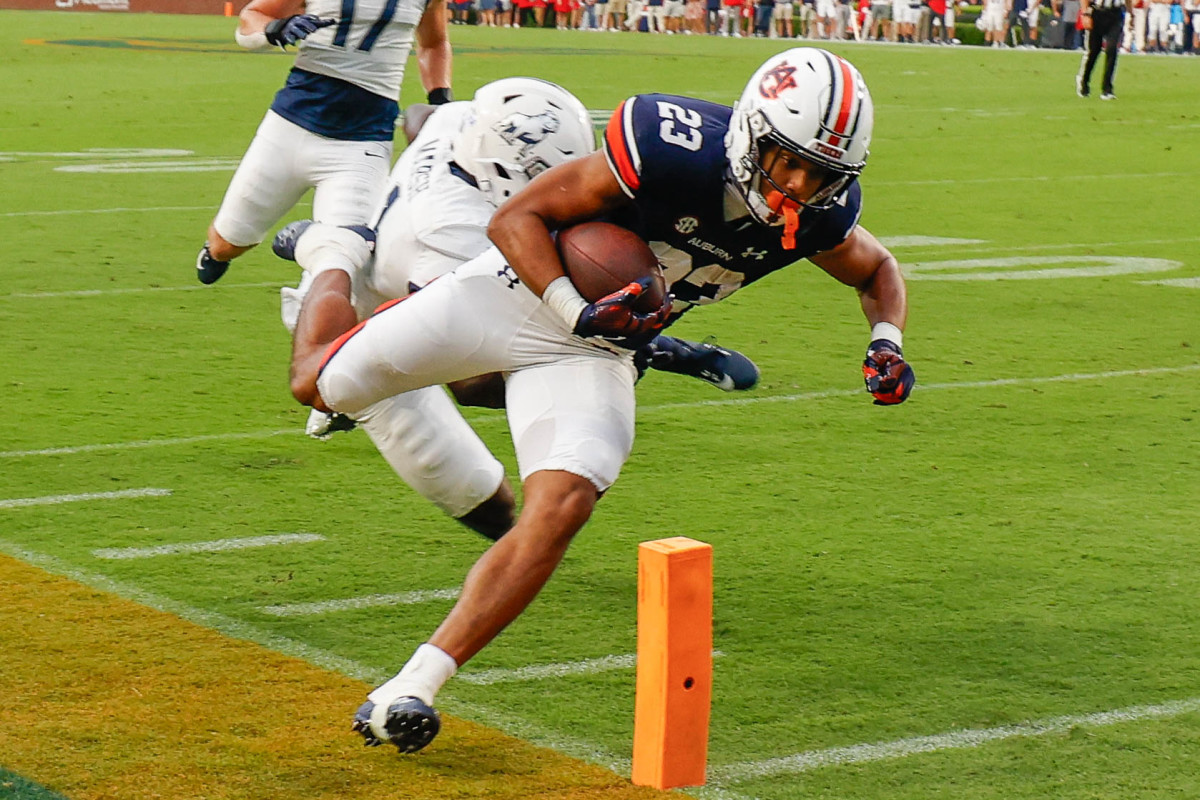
[[1107, 19]]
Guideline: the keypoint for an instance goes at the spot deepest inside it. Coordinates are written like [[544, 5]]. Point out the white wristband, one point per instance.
[[886, 330], [251, 41], [564, 298]]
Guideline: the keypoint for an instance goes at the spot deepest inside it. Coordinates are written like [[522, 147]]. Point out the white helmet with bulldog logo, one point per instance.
[[518, 129], [808, 101]]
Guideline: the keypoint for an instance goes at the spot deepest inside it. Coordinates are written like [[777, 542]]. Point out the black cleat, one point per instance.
[[725, 369], [208, 269], [410, 724], [284, 243]]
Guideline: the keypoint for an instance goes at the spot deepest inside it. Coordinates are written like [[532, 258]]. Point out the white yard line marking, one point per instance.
[[215, 546], [537, 672], [479, 417], [22, 502], [134, 290], [93, 448], [1185, 283], [925, 241], [860, 753], [367, 601], [1032, 179], [62, 212]]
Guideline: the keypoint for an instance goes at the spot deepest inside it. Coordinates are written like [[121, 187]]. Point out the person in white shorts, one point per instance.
[[992, 21], [330, 127], [673, 11], [467, 159], [696, 181], [826, 13]]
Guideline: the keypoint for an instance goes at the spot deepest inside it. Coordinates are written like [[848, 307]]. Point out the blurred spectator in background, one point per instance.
[[763, 10], [1158, 21], [991, 21], [673, 10], [781, 16], [655, 16], [712, 17], [1135, 28], [694, 14], [487, 13], [613, 17], [881, 20], [1033, 20], [904, 20], [1194, 17]]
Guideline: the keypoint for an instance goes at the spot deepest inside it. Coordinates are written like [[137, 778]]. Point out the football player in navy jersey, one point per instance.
[[330, 127], [723, 197]]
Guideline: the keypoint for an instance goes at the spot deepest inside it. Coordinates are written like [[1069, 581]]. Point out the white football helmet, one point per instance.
[[808, 101], [518, 129]]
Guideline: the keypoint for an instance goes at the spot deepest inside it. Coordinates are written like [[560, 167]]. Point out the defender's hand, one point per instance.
[[888, 377], [612, 317], [290, 30]]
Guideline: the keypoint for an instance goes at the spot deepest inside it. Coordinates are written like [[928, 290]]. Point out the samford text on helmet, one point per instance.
[[812, 103], [519, 128]]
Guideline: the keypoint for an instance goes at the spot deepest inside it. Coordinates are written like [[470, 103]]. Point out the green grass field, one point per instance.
[[991, 565]]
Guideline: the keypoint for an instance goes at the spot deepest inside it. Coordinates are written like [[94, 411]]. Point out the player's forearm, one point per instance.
[[884, 298], [434, 62], [524, 239]]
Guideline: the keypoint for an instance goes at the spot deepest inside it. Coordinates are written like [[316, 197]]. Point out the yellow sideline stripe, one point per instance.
[[105, 698]]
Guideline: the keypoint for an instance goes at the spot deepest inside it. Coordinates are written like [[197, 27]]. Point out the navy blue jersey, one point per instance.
[[668, 154]]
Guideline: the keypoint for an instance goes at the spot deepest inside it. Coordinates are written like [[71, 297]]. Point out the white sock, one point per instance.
[[424, 674]]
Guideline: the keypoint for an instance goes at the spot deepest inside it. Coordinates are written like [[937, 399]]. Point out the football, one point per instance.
[[601, 258]]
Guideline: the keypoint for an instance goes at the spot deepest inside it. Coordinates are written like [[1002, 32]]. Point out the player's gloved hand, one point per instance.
[[290, 30], [888, 377], [612, 317]]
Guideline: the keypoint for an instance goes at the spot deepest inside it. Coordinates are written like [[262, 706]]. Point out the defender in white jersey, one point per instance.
[[330, 128], [467, 159], [741, 192]]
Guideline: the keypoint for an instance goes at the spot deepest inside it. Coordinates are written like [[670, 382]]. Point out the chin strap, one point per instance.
[[779, 203]]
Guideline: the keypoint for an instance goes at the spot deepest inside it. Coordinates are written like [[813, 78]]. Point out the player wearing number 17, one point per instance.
[[330, 127]]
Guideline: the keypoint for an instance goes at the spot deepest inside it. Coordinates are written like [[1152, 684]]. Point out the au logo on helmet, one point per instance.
[[776, 80]]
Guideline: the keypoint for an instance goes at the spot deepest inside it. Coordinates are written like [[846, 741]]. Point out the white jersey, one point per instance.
[[434, 217], [367, 47]]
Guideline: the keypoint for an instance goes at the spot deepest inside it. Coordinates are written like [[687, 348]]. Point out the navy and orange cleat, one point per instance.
[[409, 724], [726, 369]]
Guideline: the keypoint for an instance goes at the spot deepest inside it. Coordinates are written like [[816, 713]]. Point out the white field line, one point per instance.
[[860, 753], [1032, 179], [367, 601], [132, 290], [538, 672], [63, 212], [1184, 283], [53, 500], [215, 546], [480, 417], [185, 440]]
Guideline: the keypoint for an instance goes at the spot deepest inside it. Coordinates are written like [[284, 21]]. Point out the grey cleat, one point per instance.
[[409, 724]]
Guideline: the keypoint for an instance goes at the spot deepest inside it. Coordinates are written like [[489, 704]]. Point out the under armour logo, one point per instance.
[[686, 224], [758, 255], [509, 275]]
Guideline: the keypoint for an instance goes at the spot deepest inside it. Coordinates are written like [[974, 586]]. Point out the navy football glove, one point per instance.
[[282, 32], [888, 377], [612, 317]]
